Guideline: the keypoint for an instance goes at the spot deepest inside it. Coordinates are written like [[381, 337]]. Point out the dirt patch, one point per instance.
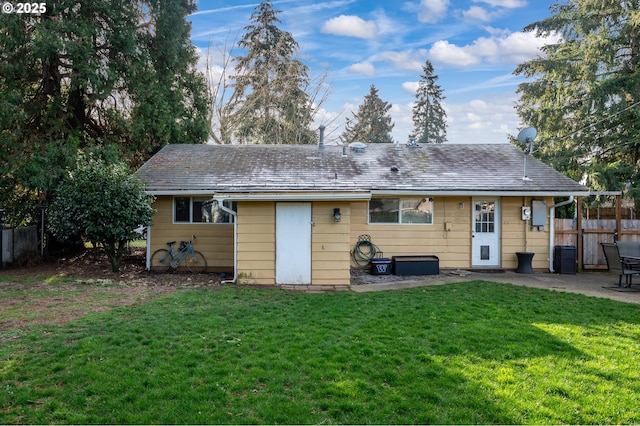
[[57, 291]]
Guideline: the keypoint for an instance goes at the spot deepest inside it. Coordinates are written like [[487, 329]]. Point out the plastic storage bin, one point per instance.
[[416, 265], [381, 266]]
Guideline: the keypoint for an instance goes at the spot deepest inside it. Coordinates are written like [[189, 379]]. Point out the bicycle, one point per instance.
[[164, 259]]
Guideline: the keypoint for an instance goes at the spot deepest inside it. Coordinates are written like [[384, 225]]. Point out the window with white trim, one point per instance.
[[405, 210], [200, 210]]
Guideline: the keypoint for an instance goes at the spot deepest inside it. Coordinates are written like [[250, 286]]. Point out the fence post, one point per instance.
[[579, 233], [619, 229]]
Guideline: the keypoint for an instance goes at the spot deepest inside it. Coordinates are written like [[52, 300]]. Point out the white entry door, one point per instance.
[[293, 243], [485, 241]]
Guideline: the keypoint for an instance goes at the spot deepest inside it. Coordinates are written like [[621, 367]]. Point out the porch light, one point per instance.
[[337, 215]]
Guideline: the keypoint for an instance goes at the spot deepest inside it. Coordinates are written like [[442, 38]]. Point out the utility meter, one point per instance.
[[526, 213]]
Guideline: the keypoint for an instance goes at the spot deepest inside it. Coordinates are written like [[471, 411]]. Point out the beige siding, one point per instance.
[[453, 246], [256, 242], [257, 245], [449, 237], [215, 241], [518, 236], [330, 259]]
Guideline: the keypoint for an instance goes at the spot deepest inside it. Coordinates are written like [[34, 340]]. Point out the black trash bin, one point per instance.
[[564, 260]]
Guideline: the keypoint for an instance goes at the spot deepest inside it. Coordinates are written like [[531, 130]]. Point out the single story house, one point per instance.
[[292, 214]]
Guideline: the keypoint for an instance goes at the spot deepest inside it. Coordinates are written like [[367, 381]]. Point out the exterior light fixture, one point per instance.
[[337, 215]]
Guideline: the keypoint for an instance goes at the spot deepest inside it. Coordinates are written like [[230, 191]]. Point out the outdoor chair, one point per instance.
[[629, 249], [620, 265]]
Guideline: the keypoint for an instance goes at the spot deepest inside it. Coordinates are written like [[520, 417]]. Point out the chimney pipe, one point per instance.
[[321, 144]]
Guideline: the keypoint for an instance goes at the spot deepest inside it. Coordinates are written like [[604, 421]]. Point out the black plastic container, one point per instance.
[[564, 259], [381, 266], [416, 265]]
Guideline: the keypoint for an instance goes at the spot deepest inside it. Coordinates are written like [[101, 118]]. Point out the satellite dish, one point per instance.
[[527, 135]]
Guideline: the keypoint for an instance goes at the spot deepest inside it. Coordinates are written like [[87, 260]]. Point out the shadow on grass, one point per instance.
[[461, 353]]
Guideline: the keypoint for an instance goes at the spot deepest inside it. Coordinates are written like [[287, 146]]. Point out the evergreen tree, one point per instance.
[[429, 118], [275, 108], [372, 123], [584, 93], [95, 73]]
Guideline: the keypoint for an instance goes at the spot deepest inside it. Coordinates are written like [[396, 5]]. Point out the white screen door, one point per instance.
[[293, 243], [485, 241]]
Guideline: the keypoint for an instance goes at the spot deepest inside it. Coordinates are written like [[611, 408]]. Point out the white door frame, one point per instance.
[[293, 243], [485, 232]]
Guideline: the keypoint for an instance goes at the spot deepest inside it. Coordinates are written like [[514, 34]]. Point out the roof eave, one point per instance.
[[487, 193], [365, 195]]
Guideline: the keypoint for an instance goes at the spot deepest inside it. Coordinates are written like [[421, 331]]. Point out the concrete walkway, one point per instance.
[[595, 284]]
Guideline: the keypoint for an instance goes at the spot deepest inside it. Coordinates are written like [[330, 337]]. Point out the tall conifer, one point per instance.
[[372, 123], [429, 118]]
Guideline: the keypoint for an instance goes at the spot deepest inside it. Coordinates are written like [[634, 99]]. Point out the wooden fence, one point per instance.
[[593, 232], [18, 242]]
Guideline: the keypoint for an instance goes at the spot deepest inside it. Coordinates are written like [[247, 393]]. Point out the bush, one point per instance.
[[100, 203]]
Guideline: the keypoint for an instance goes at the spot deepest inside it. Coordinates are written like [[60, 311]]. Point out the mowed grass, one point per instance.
[[468, 353]]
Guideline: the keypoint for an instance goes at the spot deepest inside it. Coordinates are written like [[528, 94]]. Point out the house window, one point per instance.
[[485, 217], [408, 210], [200, 210]]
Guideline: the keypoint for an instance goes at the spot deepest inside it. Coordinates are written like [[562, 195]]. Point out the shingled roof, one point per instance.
[[442, 168]]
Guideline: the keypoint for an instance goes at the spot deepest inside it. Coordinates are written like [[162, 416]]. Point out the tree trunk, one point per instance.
[[115, 250]]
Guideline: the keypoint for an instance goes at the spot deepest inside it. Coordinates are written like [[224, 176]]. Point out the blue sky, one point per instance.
[[474, 46]]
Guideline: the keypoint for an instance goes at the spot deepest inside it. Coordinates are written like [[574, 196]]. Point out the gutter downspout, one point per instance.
[[235, 240], [552, 228], [148, 250]]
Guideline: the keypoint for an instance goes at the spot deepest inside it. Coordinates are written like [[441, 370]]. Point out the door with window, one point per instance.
[[485, 241], [293, 243]]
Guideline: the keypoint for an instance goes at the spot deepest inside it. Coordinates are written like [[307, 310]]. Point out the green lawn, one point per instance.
[[467, 353]]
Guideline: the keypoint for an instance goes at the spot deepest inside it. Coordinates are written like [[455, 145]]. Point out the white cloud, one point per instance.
[[408, 60], [350, 26], [513, 48], [447, 53], [431, 11], [402, 117], [410, 87], [476, 14], [482, 121], [509, 4], [365, 68], [476, 121], [384, 24], [497, 32]]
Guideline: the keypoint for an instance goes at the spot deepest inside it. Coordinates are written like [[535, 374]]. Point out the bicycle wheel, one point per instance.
[[161, 260], [196, 262]]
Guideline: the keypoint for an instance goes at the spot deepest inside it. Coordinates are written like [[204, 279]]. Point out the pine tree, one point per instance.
[[372, 123], [429, 118], [583, 93], [271, 81]]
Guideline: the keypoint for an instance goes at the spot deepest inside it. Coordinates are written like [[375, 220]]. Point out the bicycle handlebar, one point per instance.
[[182, 243]]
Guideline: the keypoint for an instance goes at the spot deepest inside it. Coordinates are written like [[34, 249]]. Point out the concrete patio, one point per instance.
[[595, 284]]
